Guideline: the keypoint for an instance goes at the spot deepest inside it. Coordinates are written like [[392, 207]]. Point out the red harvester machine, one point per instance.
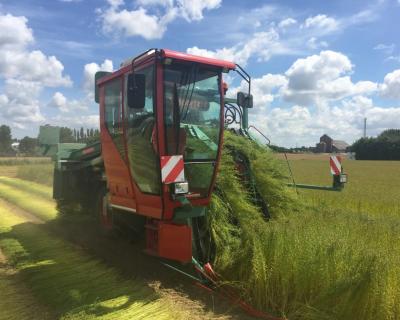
[[162, 117]]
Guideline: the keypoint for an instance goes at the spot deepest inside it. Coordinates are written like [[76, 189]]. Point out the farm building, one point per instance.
[[327, 145]]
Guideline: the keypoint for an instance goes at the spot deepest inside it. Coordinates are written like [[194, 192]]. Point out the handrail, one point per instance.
[[266, 138]]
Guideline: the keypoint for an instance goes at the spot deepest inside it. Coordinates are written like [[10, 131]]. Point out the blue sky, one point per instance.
[[317, 66]]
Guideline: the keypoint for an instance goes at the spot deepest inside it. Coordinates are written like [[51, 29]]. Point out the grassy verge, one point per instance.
[[71, 283]]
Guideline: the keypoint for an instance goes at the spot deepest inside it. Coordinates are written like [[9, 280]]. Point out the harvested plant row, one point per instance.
[[306, 262]]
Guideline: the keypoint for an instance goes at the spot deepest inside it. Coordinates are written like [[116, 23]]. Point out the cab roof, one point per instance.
[[167, 53], [190, 57]]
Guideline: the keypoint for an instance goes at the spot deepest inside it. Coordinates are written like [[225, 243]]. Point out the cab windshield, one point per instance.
[[192, 111], [192, 105]]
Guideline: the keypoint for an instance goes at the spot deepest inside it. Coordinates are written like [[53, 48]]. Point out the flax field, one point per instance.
[[321, 255]]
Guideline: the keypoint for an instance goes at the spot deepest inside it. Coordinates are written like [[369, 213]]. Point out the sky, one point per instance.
[[317, 66]]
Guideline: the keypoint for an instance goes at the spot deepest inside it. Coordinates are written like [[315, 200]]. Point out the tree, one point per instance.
[[28, 146], [82, 135], [66, 135], [5, 140], [390, 135], [384, 147], [94, 136]]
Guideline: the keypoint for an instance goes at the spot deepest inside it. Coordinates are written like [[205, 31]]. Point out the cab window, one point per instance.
[[142, 140], [113, 113]]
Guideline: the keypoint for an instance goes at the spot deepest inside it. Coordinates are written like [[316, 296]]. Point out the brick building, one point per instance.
[[327, 145]]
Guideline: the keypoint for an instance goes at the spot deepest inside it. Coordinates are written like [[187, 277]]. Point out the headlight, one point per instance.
[[181, 187]]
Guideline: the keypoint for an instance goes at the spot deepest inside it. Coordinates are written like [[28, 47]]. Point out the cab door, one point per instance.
[[142, 146], [113, 145]]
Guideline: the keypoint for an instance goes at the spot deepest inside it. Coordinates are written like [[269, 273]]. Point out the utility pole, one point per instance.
[[365, 127]]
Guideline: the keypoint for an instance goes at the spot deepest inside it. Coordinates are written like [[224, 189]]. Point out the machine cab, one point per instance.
[[161, 120]]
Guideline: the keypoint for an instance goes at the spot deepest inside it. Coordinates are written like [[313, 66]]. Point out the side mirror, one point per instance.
[[136, 91], [244, 100]]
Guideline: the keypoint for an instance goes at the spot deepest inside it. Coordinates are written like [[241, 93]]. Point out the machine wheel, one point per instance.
[[104, 211]]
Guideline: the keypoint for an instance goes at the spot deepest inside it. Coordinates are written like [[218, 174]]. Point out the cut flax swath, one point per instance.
[[305, 262]]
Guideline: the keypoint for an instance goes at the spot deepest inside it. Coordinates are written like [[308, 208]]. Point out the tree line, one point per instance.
[[385, 146], [29, 146]]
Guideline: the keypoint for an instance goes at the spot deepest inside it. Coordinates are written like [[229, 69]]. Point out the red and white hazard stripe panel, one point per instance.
[[336, 165], [172, 169]]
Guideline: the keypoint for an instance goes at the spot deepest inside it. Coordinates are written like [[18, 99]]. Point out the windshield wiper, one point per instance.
[[190, 84]]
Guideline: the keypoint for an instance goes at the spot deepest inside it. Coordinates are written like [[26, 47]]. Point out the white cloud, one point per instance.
[[287, 23], [193, 9], [386, 48], [263, 89], [33, 66], [325, 100], [394, 58], [16, 61], [162, 3], [313, 43], [60, 102], [65, 105], [276, 41], [389, 51], [343, 121], [88, 121], [321, 22], [134, 23], [19, 105], [89, 71], [391, 85], [323, 77], [25, 73], [261, 45], [140, 22], [14, 32]]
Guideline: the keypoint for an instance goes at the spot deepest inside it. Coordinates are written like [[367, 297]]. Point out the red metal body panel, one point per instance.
[[123, 188], [170, 241], [117, 171], [189, 57]]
